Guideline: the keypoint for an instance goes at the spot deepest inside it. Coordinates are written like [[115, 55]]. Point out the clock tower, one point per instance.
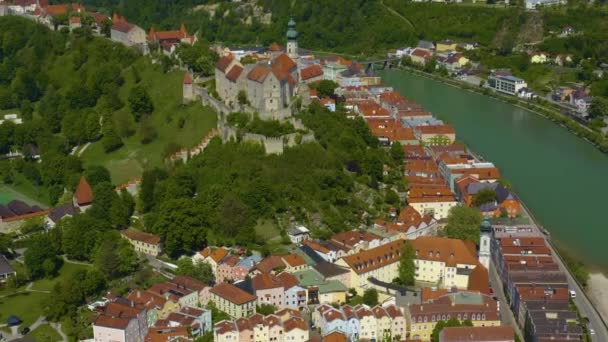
[[485, 241], [292, 40]]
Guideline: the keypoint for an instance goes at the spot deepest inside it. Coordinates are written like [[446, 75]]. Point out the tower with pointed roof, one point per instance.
[[292, 39], [187, 88], [485, 236]]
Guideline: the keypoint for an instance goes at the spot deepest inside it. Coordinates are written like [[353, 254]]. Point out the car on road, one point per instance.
[[591, 331], [25, 330], [572, 294]]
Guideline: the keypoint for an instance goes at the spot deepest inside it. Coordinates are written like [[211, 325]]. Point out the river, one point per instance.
[[561, 178]]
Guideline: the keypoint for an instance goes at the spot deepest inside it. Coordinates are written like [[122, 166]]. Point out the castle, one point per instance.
[[268, 85]]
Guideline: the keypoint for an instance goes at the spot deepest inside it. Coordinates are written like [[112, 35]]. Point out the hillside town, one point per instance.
[[510, 286]]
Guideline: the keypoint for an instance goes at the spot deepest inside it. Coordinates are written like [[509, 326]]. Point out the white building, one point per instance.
[[298, 234], [506, 84]]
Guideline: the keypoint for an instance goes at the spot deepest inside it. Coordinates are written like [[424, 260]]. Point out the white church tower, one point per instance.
[[292, 40], [485, 241]]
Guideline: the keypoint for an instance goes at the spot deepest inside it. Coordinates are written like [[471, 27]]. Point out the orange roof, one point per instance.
[[188, 283], [495, 333], [223, 63], [450, 251], [372, 109], [55, 10], [264, 281], [422, 53], [428, 294], [165, 334], [187, 78], [425, 194], [111, 322], [311, 72], [389, 128], [482, 173], [391, 97], [234, 73], [259, 73], [224, 327], [216, 254], [351, 238], [427, 166], [83, 193], [317, 247], [371, 259], [287, 280], [335, 337], [436, 129], [232, 294], [282, 67], [137, 235], [294, 260], [295, 323], [479, 280], [270, 263]]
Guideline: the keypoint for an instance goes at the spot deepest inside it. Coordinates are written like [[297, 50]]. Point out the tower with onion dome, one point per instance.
[[292, 39]]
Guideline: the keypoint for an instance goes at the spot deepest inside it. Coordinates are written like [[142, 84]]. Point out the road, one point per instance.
[[506, 315], [582, 302]]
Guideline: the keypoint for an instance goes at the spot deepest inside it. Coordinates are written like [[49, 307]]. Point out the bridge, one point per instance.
[[384, 63]]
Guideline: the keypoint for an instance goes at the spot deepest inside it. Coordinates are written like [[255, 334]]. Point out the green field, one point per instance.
[[22, 189], [66, 272], [45, 333], [130, 160], [30, 305]]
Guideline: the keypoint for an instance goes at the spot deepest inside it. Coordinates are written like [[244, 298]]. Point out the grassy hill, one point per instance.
[[165, 90]]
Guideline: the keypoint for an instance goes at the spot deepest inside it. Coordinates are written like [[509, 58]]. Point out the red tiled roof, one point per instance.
[[234, 73], [111, 322], [449, 251], [274, 47], [294, 260], [83, 193], [259, 73], [371, 259], [224, 327], [232, 294], [188, 282], [295, 323], [335, 337], [311, 72], [270, 263], [498, 333], [288, 280], [223, 63], [421, 53], [187, 78], [479, 280], [216, 254], [164, 334], [137, 235], [265, 281]]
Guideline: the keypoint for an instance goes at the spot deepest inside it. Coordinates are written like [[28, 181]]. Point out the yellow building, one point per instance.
[[480, 309], [143, 242], [446, 45], [443, 261], [232, 300], [294, 263]]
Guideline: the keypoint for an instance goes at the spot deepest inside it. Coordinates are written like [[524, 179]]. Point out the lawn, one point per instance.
[[267, 230], [28, 306], [66, 272], [24, 190], [45, 333], [130, 160]]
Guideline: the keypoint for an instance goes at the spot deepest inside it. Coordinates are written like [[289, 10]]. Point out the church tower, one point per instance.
[[485, 241], [292, 39]]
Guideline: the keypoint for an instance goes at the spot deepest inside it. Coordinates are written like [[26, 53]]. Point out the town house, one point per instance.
[[232, 300]]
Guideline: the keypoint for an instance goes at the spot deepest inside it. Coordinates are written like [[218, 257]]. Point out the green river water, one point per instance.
[[562, 179]]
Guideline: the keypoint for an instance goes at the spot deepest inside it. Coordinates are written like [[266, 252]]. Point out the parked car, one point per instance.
[[572, 294], [591, 331]]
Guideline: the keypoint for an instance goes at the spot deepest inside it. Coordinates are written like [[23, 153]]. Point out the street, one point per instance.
[[506, 315]]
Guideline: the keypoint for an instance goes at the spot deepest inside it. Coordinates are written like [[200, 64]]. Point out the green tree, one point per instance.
[[111, 141], [40, 258], [397, 153], [463, 223], [96, 174], [407, 267], [598, 108], [114, 256], [484, 196], [266, 309], [326, 88], [180, 225], [370, 297], [140, 102], [200, 270], [242, 98], [26, 109]]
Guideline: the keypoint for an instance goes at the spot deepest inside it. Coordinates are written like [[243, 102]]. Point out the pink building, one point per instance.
[[268, 290], [225, 269], [121, 322], [245, 330]]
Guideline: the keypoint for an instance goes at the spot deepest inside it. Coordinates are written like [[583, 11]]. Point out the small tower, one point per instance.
[[187, 88], [485, 241], [292, 39]]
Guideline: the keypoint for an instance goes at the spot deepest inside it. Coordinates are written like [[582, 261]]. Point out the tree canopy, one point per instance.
[[463, 223]]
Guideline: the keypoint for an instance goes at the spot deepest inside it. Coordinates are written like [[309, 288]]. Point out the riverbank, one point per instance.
[[597, 139], [598, 292]]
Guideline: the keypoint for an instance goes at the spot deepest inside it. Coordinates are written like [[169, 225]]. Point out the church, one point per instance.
[[269, 85]]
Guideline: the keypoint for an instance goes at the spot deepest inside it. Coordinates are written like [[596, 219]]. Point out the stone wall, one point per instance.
[[277, 145]]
